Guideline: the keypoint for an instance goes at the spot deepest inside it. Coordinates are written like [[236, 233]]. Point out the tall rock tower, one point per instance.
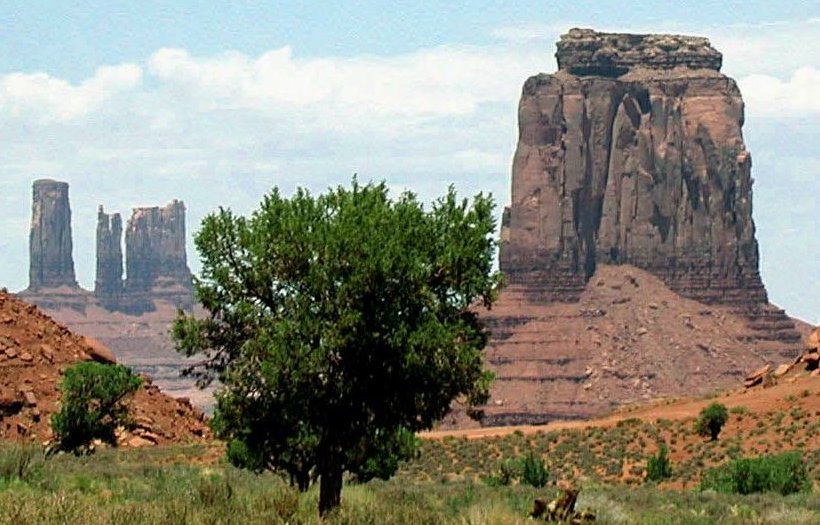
[[628, 248], [50, 261], [108, 283], [156, 261]]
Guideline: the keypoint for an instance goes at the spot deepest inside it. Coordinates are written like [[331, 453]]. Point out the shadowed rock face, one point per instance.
[[648, 169], [51, 264], [108, 283]]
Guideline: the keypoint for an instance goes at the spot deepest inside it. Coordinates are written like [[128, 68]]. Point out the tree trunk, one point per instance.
[[330, 488], [303, 480]]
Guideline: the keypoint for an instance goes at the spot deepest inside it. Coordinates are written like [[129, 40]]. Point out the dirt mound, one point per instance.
[[35, 350], [628, 340]]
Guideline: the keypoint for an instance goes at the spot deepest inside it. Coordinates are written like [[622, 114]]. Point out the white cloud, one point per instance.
[[47, 99], [439, 81], [770, 96]]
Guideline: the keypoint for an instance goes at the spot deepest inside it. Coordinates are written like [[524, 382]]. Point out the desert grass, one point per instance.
[[179, 485]]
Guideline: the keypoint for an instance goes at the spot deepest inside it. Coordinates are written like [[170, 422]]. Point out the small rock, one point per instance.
[[138, 442], [643, 331], [150, 436], [653, 306], [27, 357], [781, 370], [31, 399]]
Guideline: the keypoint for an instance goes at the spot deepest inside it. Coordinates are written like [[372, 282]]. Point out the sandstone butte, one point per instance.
[[129, 315], [628, 249], [35, 350]]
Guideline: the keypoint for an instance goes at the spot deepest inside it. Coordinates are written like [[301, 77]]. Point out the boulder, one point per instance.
[[98, 351]]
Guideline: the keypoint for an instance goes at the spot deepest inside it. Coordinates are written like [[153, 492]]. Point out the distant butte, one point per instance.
[[129, 313], [628, 248]]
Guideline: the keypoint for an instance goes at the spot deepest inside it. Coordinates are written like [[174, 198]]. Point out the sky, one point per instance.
[[138, 103]]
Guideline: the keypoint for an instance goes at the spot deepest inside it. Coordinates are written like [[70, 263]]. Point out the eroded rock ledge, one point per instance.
[[584, 52]]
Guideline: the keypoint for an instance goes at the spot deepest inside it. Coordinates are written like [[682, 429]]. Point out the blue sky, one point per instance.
[[137, 103]]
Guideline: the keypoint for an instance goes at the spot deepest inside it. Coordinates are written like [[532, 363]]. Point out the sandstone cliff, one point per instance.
[[131, 316], [108, 283], [156, 262], [631, 154]]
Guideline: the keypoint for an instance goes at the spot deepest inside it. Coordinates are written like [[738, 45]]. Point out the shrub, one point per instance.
[[783, 473], [533, 471], [711, 420], [92, 397], [659, 468], [509, 470]]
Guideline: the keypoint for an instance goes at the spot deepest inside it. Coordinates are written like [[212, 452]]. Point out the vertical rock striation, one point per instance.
[[156, 261], [632, 153], [50, 260], [108, 283]]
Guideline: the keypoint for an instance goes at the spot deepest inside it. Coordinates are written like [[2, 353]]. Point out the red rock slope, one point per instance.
[[35, 350]]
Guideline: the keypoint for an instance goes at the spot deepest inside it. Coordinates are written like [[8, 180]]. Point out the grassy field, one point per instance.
[[185, 485]]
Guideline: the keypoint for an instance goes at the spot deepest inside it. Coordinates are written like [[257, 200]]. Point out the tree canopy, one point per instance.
[[338, 323]]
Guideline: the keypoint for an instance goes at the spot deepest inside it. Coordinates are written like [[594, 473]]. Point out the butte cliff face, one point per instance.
[[108, 283], [631, 154], [156, 262], [50, 261]]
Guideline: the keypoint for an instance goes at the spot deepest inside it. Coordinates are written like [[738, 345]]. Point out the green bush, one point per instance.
[[508, 471], [783, 473], [711, 420], [533, 471], [92, 397], [659, 468]]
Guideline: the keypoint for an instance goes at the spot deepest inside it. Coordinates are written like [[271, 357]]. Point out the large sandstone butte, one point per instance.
[[631, 154]]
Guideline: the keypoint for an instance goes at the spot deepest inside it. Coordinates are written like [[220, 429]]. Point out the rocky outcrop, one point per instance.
[[108, 283], [156, 260], [585, 52], [50, 260], [628, 249], [633, 154], [34, 353], [156, 263]]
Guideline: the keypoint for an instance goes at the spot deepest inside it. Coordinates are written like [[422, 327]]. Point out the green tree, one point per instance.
[[93, 403], [711, 420], [337, 322]]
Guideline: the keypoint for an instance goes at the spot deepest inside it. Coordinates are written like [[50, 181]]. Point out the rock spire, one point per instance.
[[50, 260]]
